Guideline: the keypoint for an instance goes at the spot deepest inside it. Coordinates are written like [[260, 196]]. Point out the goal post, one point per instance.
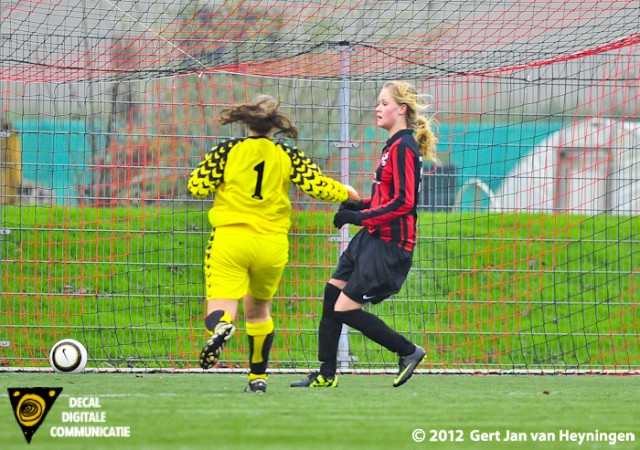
[[528, 255]]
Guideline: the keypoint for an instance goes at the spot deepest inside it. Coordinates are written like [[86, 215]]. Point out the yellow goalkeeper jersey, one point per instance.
[[251, 178]]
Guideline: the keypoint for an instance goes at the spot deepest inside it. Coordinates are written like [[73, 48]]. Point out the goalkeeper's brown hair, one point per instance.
[[405, 94], [262, 116]]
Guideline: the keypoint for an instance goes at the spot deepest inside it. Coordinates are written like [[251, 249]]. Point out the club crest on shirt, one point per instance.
[[377, 175], [383, 160]]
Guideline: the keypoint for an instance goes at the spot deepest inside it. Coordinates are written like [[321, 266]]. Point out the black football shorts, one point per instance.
[[373, 269]]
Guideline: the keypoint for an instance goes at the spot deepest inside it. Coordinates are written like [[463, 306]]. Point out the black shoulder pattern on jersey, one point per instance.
[[308, 177], [209, 174]]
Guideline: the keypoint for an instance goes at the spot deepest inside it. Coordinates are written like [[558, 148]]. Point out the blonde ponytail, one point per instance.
[[405, 94], [425, 137]]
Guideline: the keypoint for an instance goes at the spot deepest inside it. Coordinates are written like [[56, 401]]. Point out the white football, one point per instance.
[[68, 356]]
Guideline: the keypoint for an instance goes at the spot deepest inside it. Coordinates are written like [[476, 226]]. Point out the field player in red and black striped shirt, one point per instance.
[[376, 263]]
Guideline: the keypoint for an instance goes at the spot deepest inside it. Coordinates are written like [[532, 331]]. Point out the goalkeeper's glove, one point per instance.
[[345, 216], [352, 205]]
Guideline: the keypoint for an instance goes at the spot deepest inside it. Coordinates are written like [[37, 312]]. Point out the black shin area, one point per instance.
[[262, 346], [376, 330], [213, 319], [329, 333]]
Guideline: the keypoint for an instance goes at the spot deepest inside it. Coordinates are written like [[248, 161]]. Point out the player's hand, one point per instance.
[[352, 205], [345, 216]]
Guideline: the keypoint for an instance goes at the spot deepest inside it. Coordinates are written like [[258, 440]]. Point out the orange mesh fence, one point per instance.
[[528, 256]]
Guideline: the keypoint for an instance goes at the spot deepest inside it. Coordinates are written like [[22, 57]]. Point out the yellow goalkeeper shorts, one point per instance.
[[239, 261]]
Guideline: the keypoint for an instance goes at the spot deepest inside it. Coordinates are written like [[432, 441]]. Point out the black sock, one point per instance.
[[329, 333], [214, 318], [376, 330]]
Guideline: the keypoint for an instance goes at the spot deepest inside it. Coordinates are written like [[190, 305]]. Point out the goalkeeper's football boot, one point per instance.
[[407, 365], [259, 386], [314, 379], [213, 347]]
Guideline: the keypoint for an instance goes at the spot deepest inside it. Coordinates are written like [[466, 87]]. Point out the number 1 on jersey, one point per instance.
[[257, 194]]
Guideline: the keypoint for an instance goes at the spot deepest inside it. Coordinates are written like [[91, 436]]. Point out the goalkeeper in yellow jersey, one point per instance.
[[249, 246]]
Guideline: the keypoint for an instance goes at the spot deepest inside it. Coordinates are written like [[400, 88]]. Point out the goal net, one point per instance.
[[528, 257]]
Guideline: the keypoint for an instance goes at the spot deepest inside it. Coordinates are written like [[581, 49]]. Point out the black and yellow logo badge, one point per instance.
[[31, 405]]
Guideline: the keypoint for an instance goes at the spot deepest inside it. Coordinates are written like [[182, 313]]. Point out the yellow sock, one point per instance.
[[253, 376]]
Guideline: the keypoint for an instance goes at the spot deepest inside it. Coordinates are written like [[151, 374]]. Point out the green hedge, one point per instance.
[[486, 291]]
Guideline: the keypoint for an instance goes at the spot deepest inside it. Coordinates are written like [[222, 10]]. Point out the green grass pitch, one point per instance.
[[195, 411]]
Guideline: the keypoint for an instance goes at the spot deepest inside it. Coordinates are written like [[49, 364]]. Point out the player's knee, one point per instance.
[[347, 317], [331, 294]]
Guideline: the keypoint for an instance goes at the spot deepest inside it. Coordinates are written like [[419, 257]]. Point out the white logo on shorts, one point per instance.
[[368, 297]]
